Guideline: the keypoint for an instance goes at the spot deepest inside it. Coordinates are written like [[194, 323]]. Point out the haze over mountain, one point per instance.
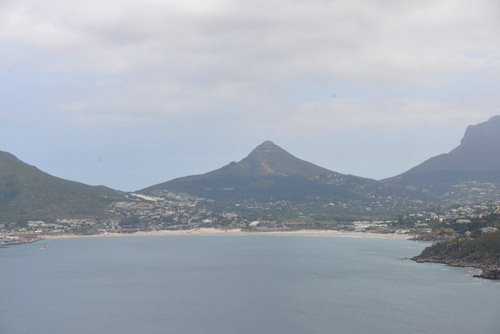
[[270, 172], [27, 192]]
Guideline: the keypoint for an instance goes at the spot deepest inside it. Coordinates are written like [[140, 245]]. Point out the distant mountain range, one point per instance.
[[28, 193], [469, 173]]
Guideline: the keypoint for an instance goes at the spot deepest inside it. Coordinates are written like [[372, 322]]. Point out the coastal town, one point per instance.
[[175, 211]]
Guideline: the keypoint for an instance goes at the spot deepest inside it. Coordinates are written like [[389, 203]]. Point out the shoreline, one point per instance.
[[235, 232], [487, 271]]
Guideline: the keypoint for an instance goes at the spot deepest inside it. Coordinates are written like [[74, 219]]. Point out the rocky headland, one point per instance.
[[481, 252]]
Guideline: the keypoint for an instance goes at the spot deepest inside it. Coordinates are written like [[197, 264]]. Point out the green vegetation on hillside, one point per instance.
[[475, 251], [471, 249], [28, 193]]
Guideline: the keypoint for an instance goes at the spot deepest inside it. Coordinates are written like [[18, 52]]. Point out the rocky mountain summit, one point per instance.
[[270, 159]]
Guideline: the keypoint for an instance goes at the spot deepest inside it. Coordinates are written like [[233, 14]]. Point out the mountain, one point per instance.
[[469, 173], [28, 193], [270, 172], [476, 158], [270, 159]]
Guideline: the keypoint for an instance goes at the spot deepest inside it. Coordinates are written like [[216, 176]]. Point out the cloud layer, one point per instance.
[[246, 70]]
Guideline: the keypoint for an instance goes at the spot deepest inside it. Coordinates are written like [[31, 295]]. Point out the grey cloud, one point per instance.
[[223, 68], [363, 40]]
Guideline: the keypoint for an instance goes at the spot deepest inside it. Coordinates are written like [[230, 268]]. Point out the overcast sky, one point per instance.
[[129, 94]]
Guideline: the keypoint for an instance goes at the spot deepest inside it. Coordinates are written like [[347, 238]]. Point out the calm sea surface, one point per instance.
[[238, 284]]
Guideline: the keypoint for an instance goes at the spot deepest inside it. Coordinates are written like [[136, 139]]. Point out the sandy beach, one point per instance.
[[216, 231]]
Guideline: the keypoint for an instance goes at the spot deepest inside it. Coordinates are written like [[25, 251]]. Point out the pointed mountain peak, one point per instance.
[[268, 172], [268, 151], [268, 146], [268, 158]]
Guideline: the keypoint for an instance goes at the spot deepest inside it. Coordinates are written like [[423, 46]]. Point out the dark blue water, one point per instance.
[[238, 284]]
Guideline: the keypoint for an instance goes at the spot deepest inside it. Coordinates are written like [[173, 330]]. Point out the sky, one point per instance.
[[128, 94]]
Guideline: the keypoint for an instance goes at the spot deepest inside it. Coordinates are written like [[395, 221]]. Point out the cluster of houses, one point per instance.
[[13, 239], [179, 211]]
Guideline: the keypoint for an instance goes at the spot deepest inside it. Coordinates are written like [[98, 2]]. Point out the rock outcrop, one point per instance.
[[490, 273], [481, 252]]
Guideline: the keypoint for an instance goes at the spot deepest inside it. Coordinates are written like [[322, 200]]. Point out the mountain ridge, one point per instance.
[[477, 157], [270, 172], [469, 173], [29, 193]]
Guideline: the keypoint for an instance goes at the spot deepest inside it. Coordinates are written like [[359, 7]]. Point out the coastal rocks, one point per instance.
[[487, 272], [480, 251], [490, 273]]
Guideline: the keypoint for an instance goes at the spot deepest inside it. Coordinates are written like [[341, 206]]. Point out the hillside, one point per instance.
[[477, 244], [482, 252], [270, 172], [28, 193], [274, 183], [477, 157], [470, 172]]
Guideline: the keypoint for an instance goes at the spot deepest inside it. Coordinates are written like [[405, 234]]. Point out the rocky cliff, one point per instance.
[[481, 252]]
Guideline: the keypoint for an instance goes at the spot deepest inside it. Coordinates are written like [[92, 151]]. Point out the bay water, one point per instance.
[[238, 284]]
